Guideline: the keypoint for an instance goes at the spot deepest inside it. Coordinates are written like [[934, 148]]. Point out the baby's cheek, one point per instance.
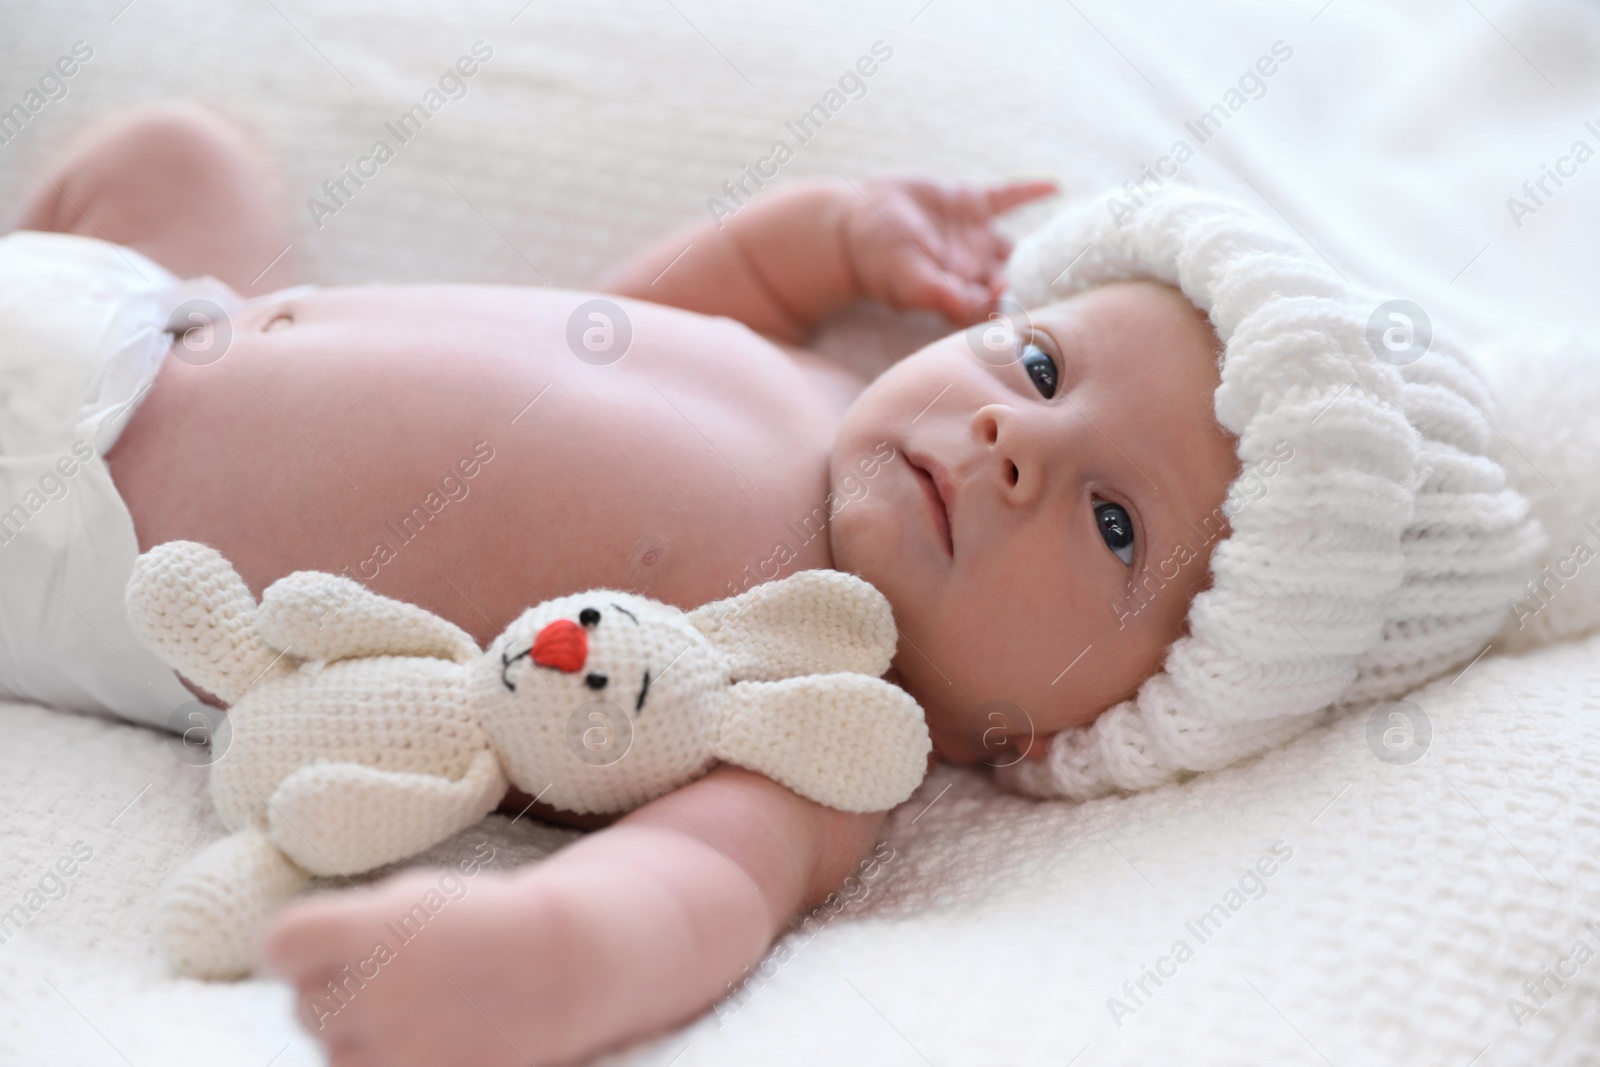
[[954, 738], [863, 546], [939, 714]]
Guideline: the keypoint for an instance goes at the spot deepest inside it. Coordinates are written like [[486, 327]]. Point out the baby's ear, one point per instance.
[[813, 622]]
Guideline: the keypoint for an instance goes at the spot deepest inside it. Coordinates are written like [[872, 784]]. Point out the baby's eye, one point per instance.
[[1116, 528], [1041, 368]]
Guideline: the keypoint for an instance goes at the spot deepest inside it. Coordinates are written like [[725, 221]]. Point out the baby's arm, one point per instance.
[[626, 931], [794, 255]]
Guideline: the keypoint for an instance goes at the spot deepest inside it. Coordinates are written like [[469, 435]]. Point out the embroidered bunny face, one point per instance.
[[600, 700]]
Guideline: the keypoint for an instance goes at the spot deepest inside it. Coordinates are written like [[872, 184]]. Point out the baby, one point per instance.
[[1009, 488]]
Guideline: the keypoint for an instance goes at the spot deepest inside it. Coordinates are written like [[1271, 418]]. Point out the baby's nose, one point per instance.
[[562, 645]]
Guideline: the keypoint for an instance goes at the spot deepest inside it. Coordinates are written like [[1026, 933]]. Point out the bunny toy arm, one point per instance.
[[188, 604], [321, 616]]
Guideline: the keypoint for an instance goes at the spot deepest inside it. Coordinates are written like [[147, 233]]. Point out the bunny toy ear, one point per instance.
[[845, 740], [813, 622]]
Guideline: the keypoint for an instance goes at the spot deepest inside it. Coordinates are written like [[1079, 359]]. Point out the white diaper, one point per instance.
[[82, 335]]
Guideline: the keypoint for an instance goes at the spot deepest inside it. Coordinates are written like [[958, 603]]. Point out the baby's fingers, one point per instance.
[[307, 937], [350, 1056], [924, 286], [1004, 197]]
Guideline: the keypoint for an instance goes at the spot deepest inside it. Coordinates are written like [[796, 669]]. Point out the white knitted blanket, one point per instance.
[[1407, 906], [1414, 902]]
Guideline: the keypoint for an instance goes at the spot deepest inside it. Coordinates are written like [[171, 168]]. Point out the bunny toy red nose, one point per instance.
[[562, 645]]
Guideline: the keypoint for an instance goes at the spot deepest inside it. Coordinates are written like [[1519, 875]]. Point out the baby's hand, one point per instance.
[[405, 973], [918, 244]]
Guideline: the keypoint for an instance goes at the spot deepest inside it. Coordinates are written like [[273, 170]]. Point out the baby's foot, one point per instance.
[[432, 968], [180, 183]]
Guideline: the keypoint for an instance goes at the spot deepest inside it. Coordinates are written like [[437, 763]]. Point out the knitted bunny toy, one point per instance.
[[365, 730]]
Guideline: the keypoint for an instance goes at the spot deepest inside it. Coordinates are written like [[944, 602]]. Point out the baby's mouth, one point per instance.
[[941, 511]]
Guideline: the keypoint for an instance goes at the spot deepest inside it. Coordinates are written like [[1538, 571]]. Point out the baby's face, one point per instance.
[[1083, 472]]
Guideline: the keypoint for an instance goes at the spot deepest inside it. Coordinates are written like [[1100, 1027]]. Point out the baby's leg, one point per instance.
[[176, 182]]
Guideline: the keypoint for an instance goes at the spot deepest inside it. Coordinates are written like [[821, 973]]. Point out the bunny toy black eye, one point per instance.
[[595, 680], [589, 616]]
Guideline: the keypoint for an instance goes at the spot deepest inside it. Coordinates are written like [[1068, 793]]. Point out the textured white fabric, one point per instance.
[[1415, 905], [1372, 540], [363, 730], [1000, 925], [81, 338], [1549, 396]]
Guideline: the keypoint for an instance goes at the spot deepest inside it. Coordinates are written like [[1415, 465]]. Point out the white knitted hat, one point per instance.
[[1384, 551]]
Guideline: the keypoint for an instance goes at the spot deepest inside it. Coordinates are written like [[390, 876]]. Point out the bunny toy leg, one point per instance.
[[345, 818], [212, 912], [188, 604]]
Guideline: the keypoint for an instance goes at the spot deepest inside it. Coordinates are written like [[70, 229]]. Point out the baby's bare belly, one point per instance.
[[446, 447]]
